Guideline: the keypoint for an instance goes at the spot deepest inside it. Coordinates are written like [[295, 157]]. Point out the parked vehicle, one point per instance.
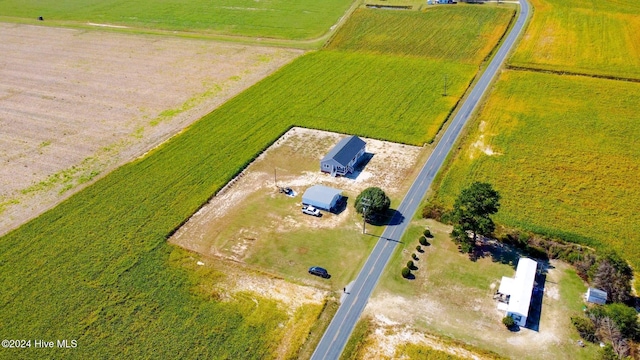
[[310, 210], [318, 271]]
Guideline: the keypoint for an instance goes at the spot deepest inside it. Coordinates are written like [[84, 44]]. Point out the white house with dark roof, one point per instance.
[[343, 157]]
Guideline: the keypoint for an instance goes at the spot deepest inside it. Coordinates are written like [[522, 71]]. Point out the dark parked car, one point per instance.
[[318, 271]]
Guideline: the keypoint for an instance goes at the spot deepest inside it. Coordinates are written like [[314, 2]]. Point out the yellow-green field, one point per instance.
[[463, 33], [564, 153], [597, 37]]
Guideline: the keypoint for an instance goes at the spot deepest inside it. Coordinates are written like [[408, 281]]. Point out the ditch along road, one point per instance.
[[335, 337]]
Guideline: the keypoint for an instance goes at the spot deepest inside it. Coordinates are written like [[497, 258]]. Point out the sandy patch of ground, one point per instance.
[[388, 336], [388, 169], [239, 279], [399, 320], [75, 104]]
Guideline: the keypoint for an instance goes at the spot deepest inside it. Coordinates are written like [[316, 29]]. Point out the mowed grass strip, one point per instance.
[[583, 36], [300, 19], [564, 153], [97, 267], [462, 33]]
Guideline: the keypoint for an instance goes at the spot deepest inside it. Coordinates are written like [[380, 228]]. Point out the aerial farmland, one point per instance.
[[146, 147]]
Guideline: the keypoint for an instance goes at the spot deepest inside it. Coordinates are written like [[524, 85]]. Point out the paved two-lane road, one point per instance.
[[340, 328]]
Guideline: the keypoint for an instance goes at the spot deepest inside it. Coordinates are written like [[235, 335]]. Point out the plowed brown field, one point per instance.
[[74, 104]]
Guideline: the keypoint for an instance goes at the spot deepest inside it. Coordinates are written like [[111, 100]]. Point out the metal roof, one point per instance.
[[596, 296], [522, 287], [345, 150], [320, 196]]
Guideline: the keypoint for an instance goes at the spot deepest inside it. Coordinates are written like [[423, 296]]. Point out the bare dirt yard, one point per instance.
[[294, 161], [451, 297], [75, 104], [250, 221]]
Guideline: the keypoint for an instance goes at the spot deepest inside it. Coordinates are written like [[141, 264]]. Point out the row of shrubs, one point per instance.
[[406, 271]]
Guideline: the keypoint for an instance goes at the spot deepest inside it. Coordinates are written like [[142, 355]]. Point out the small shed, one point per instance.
[[343, 157], [321, 197], [596, 296]]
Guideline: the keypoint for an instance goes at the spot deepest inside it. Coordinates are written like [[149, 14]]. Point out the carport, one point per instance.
[[321, 197]]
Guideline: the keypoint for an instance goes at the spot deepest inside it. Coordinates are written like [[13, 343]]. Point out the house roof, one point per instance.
[[320, 196], [522, 286], [596, 296], [345, 150]]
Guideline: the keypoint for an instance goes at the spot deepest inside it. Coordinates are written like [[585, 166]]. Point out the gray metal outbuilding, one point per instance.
[[343, 157], [596, 296], [321, 197]]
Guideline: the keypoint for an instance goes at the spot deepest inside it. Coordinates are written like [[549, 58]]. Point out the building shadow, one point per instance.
[[537, 296], [340, 206], [362, 163]]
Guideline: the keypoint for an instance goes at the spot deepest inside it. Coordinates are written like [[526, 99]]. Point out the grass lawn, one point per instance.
[[451, 296], [563, 152], [98, 266], [583, 36], [272, 18]]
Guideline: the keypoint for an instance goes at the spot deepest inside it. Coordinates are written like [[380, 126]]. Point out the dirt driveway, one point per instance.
[[75, 104]]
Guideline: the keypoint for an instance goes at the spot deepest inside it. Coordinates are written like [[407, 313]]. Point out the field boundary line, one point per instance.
[[572, 73]]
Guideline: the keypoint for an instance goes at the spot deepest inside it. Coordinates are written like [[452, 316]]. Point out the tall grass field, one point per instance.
[[564, 153], [97, 267], [465, 34], [583, 36], [301, 19]]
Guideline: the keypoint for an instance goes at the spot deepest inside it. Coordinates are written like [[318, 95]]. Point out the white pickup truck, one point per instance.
[[310, 210]]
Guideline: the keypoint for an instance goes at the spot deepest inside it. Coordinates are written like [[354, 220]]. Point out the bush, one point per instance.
[[414, 256], [508, 322], [433, 211], [423, 241], [585, 328], [406, 272], [418, 248], [427, 233], [410, 264]]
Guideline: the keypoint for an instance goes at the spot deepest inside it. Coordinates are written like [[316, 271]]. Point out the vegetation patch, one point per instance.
[[583, 36], [560, 153], [453, 298], [461, 33], [279, 19], [377, 96]]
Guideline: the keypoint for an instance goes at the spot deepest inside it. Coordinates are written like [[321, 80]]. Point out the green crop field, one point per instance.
[[564, 153], [583, 36], [463, 33], [271, 18], [97, 267]]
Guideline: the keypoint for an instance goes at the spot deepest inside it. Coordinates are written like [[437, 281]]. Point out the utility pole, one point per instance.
[[445, 85], [365, 206]]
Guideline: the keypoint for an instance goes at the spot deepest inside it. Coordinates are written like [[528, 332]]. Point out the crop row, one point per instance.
[[280, 19], [589, 37], [464, 34]]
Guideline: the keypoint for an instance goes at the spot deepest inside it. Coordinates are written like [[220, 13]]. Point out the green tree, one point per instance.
[[378, 202], [406, 272], [471, 212]]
